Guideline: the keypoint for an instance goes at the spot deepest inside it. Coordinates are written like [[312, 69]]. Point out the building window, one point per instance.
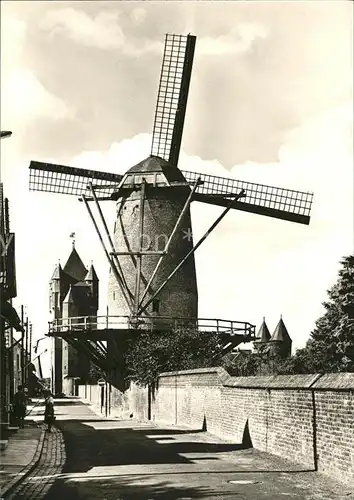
[[155, 305], [114, 295]]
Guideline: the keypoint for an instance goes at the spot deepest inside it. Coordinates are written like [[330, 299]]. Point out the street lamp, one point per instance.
[[5, 133], [38, 355], [37, 344]]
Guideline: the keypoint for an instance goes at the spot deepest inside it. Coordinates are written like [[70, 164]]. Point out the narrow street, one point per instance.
[[87, 457]]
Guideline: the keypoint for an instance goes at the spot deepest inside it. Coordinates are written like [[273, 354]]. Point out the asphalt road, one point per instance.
[[92, 458]]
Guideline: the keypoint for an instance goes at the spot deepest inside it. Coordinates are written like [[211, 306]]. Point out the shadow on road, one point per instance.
[[90, 445], [87, 447]]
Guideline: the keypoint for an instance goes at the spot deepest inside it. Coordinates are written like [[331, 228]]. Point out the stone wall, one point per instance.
[[307, 419], [129, 404]]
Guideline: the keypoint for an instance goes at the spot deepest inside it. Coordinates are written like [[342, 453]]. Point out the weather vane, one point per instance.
[[72, 236]]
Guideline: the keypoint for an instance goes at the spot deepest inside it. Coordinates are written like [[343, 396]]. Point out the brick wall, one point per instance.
[[334, 397], [295, 417], [307, 419]]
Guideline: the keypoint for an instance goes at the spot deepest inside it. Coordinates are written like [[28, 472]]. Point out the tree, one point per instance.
[[331, 345], [241, 363], [153, 353], [300, 362], [94, 374]]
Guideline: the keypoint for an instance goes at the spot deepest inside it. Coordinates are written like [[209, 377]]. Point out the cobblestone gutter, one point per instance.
[[38, 477]]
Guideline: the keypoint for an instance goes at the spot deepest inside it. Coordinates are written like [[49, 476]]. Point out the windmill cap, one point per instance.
[[155, 164]]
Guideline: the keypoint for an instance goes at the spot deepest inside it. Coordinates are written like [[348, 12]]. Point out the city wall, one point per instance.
[[307, 419]]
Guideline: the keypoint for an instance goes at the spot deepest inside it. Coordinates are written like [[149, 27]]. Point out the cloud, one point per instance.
[[239, 40], [23, 96], [120, 156], [138, 16], [101, 31], [13, 34], [104, 31]]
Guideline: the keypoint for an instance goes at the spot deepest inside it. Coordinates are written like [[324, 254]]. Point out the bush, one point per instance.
[[152, 353]]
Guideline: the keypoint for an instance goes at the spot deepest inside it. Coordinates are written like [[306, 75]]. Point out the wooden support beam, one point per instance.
[[212, 227]]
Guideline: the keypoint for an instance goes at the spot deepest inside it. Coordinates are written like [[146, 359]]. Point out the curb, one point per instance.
[[26, 470]]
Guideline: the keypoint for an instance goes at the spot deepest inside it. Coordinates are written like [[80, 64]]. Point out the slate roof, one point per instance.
[[280, 333], [263, 334], [57, 272], [91, 275], [74, 266], [69, 298]]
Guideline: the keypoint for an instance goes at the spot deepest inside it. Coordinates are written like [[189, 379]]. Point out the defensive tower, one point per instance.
[[73, 292]]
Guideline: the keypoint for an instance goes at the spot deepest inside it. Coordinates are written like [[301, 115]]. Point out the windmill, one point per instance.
[[151, 254]]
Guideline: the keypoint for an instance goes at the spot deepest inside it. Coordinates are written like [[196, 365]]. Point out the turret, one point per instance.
[[54, 291], [263, 336], [280, 341], [92, 280], [70, 308]]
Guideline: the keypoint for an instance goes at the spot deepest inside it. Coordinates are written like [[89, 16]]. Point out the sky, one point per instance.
[[271, 101]]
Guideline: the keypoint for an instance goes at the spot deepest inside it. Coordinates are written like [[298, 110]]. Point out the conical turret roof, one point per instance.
[[74, 266], [263, 334], [57, 272], [280, 333], [69, 299], [154, 164], [91, 275]]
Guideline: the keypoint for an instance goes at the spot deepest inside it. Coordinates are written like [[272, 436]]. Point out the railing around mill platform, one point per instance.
[[163, 323]]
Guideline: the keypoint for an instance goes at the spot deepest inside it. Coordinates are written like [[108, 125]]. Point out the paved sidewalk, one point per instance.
[[20, 455], [38, 484]]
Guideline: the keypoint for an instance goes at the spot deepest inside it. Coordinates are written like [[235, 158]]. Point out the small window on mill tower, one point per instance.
[[155, 305]]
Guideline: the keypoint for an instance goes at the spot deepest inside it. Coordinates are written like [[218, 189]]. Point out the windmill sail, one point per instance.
[[172, 97], [68, 180], [286, 204]]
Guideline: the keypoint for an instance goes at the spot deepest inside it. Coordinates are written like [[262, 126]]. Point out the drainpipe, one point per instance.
[[106, 399], [314, 431], [314, 423], [176, 398], [267, 417]]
